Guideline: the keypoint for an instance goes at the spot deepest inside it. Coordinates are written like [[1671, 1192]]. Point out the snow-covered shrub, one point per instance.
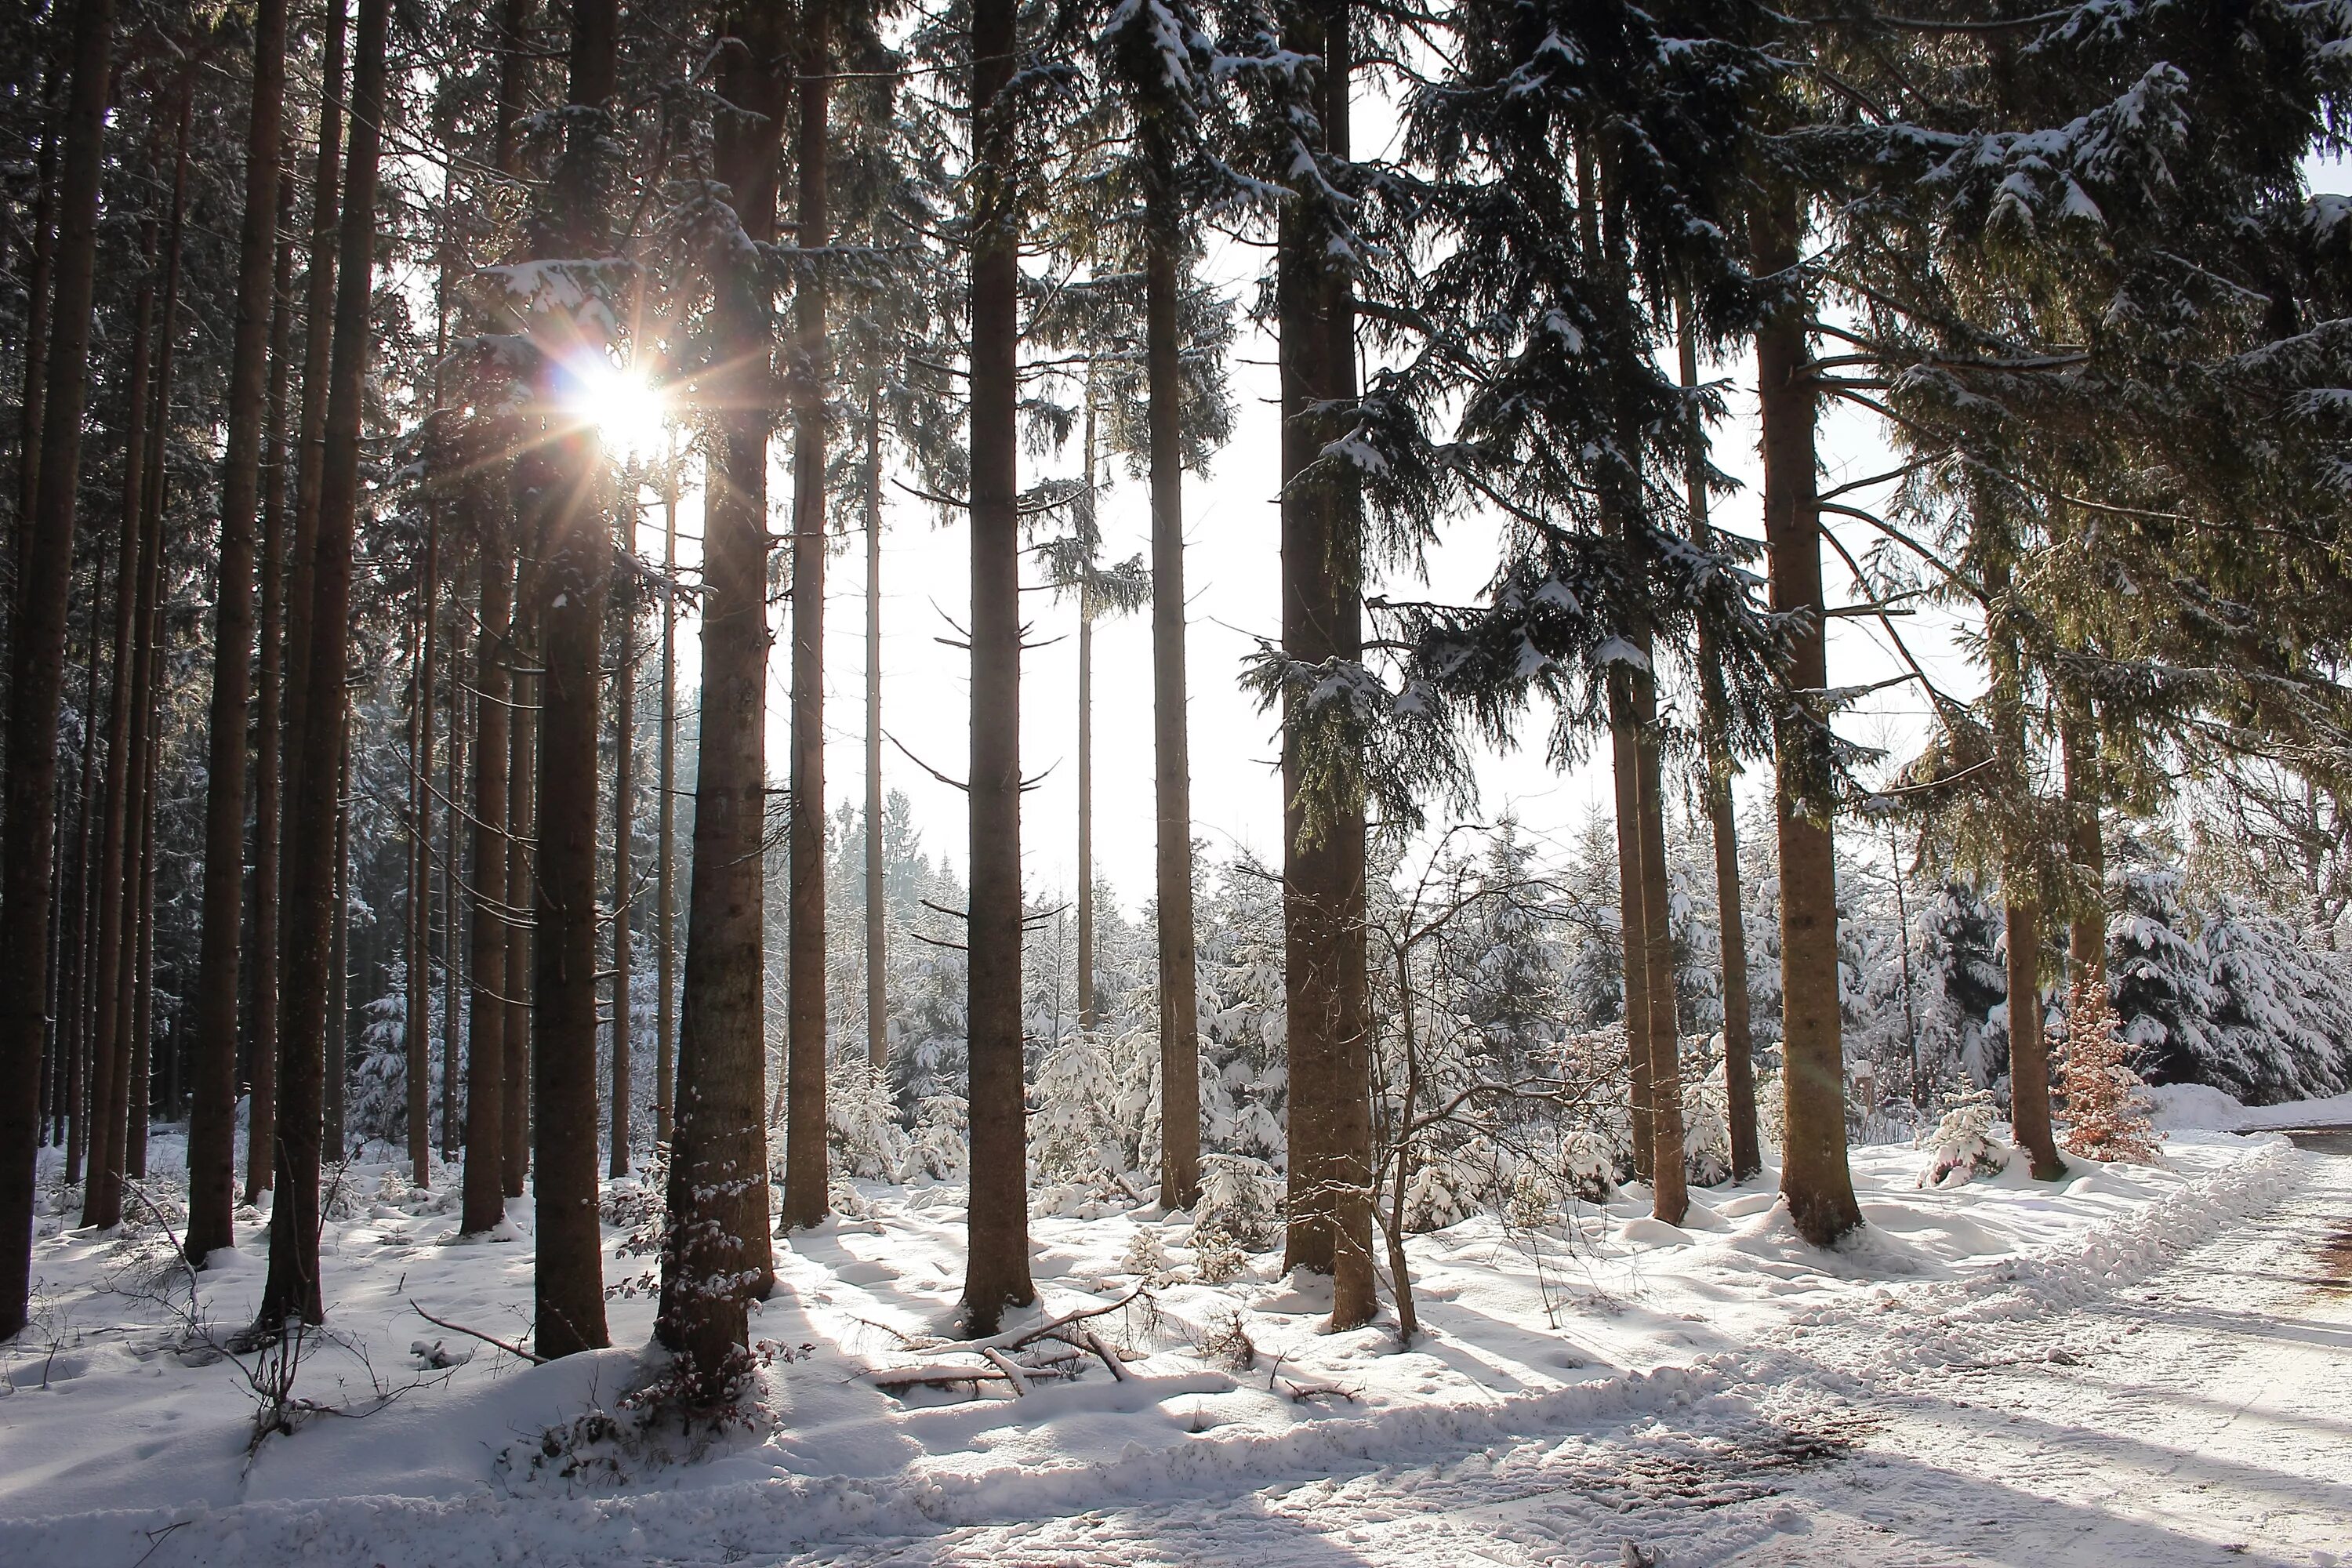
[[1588, 1164], [941, 1149], [1531, 1204], [1072, 1131], [1707, 1128], [1451, 1181], [1216, 1256], [861, 1123], [2107, 1115], [1963, 1144], [1145, 1258], [1242, 1197]]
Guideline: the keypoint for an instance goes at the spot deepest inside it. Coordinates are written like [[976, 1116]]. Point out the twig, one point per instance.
[[511, 1350]]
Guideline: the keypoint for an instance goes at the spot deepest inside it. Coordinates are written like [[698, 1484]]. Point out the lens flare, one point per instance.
[[629, 412]]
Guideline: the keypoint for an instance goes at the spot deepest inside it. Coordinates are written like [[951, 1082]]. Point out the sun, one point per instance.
[[630, 415]]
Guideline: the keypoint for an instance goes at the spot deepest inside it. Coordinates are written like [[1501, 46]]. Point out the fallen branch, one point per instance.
[[476, 1333]]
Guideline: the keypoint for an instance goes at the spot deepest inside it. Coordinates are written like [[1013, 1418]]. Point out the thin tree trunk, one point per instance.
[[73, 1112], [212, 1130], [142, 1107], [996, 1264], [576, 562], [1671, 1197], [806, 1188], [1180, 1024], [484, 1204], [2087, 929], [416, 1037], [1814, 1177], [269, 717], [309, 475], [292, 1284], [1086, 728], [523, 780], [37, 333], [878, 927], [624, 801], [339, 963], [1633, 949], [2029, 1049], [717, 1258], [666, 817], [453, 890], [102, 1193]]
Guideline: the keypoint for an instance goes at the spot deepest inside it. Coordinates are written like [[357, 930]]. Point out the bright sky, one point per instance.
[[1232, 565]]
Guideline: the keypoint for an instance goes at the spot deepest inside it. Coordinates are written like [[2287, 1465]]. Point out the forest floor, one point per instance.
[[2138, 1365]]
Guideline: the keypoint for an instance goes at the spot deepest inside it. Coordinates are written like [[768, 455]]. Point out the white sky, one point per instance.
[[1232, 566]]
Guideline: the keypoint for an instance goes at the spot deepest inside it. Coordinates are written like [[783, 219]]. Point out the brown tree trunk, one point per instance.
[[1087, 745], [37, 332], [453, 888], [565, 484], [261, 1058], [1180, 1015], [73, 1109], [1739, 1066], [523, 828], [212, 1130], [485, 1205], [1671, 1197], [665, 817], [1814, 1177], [102, 1193], [1326, 982], [416, 1033], [2087, 928], [320, 298], [2029, 1048], [806, 1194], [996, 1264], [624, 801], [292, 1285], [877, 926], [717, 1257], [338, 964], [1634, 948]]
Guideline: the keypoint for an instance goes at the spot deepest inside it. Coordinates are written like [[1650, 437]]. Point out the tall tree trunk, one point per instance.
[[339, 964], [1086, 739], [417, 1039], [2029, 1049], [74, 1112], [566, 487], [806, 1195], [142, 988], [453, 888], [878, 922], [1814, 1177], [261, 1058], [1632, 933], [212, 1130], [717, 1257], [1180, 1015], [1324, 908], [319, 303], [1671, 1197], [666, 817], [2087, 1003], [624, 813], [102, 1193], [37, 333], [523, 828], [996, 1264], [292, 1284], [485, 1205], [1738, 1064]]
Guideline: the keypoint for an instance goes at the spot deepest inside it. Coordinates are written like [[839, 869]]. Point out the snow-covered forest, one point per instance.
[[457, 893]]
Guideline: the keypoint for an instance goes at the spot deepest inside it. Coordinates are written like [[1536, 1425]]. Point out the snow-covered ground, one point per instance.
[[2197, 1105], [2097, 1371]]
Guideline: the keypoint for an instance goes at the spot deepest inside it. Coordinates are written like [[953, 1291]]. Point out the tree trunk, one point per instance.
[[319, 308], [806, 1195], [416, 1037], [666, 792], [1671, 1197], [996, 1265], [878, 929], [212, 1130], [2087, 928], [2029, 1049], [1739, 1066], [292, 1284], [1325, 983], [484, 1203], [72, 1110], [338, 964], [453, 888], [37, 334], [102, 1193], [523, 828], [261, 1060], [564, 481], [625, 792], [1087, 744], [716, 1258], [1179, 1018], [1814, 1177], [1634, 948]]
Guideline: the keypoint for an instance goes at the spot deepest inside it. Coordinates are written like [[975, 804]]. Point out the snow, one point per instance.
[[2197, 1105], [1585, 1345]]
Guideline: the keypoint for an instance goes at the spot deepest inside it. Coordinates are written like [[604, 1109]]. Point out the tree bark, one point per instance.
[[485, 1202], [1634, 948], [716, 1258], [564, 481], [877, 926], [806, 1188], [338, 964], [261, 1058], [625, 792], [1179, 1012], [2086, 927], [522, 828], [1087, 740], [417, 1039], [453, 886], [1326, 982], [212, 1130], [2029, 1048], [37, 337], [320, 307], [1738, 1064], [666, 872], [1814, 1177], [292, 1284], [996, 1265]]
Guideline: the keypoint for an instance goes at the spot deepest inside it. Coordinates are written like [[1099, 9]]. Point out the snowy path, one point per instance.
[[2203, 1416]]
